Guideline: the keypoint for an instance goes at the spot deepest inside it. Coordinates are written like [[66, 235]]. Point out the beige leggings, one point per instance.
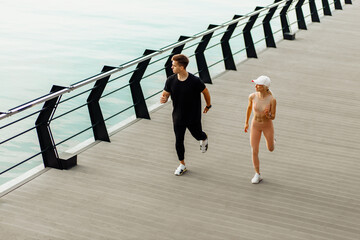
[[256, 129]]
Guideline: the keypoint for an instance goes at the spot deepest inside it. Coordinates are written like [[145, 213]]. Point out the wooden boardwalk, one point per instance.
[[127, 190]]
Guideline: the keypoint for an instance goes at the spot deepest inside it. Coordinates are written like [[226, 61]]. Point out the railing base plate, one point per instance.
[[67, 163], [289, 36]]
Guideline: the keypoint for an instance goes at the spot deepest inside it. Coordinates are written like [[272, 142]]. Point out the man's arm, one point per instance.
[[207, 98], [164, 96]]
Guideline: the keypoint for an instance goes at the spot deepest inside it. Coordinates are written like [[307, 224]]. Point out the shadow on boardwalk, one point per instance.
[[127, 190]]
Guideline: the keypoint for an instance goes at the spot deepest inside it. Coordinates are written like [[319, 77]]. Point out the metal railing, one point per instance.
[[275, 14]]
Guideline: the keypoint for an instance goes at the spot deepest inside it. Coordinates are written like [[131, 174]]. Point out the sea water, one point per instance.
[[60, 42]]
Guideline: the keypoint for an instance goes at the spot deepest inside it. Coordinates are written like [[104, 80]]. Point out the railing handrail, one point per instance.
[[82, 83]]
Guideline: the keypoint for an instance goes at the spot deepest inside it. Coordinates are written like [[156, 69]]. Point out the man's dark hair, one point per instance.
[[181, 59]]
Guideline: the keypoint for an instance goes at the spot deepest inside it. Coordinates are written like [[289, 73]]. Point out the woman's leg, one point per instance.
[[255, 135], [268, 131]]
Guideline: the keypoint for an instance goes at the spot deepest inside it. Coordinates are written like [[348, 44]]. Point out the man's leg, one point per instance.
[[198, 134], [180, 149], [179, 142]]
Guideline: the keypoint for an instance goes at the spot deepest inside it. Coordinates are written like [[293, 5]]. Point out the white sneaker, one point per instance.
[[204, 145], [256, 179], [180, 170]]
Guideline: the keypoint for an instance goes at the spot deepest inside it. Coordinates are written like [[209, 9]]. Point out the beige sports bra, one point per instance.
[[259, 104]]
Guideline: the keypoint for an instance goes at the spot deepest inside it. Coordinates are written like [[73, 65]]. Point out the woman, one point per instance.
[[263, 104]]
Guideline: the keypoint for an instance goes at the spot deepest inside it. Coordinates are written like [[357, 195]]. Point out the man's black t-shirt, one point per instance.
[[186, 98]]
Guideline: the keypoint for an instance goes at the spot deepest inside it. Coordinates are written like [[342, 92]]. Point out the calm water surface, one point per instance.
[[61, 42]]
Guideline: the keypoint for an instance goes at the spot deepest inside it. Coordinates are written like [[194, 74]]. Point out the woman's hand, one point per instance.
[[246, 127], [267, 113]]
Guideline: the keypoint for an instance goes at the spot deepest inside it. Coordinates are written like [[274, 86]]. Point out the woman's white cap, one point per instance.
[[262, 80]]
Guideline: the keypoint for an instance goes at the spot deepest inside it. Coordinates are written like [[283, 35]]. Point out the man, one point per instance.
[[184, 89]]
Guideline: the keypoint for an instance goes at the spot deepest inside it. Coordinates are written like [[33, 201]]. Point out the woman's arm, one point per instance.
[[271, 114], [248, 113]]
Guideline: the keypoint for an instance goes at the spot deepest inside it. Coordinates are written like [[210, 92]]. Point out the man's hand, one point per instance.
[[164, 97], [205, 110]]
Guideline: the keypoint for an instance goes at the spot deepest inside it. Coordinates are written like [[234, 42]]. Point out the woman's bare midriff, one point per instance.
[[261, 118]]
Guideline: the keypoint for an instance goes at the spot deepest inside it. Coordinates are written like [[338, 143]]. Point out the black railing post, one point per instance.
[[348, 2], [96, 116], [284, 22], [200, 56], [326, 7], [225, 46], [269, 37], [300, 15], [175, 51], [249, 43], [47, 144], [337, 4], [141, 110], [313, 11]]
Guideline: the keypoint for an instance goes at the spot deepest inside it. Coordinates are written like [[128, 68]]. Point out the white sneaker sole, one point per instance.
[[256, 182], [181, 173]]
